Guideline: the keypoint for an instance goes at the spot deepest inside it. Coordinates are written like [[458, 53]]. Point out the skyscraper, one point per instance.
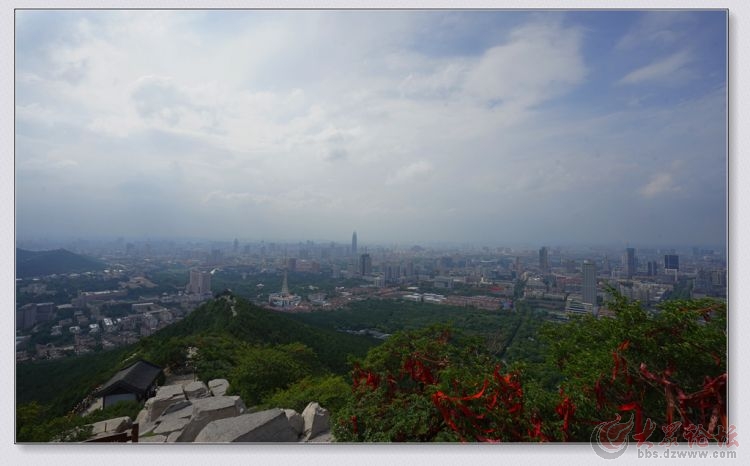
[[200, 282], [672, 261], [544, 260], [354, 244], [365, 264], [630, 262], [589, 282]]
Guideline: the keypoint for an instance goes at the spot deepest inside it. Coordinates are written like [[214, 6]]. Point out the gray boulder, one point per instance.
[[119, 424], [171, 425], [111, 426], [195, 390], [265, 426], [218, 387], [295, 421], [166, 396], [98, 428], [142, 417], [316, 420], [210, 409], [179, 409], [152, 439], [171, 438]]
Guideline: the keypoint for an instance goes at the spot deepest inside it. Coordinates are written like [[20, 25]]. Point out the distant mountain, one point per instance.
[[58, 261], [248, 323]]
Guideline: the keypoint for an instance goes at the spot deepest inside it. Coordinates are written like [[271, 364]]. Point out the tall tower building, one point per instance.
[[589, 282], [672, 261], [354, 244], [544, 260], [630, 262], [200, 282], [365, 265]]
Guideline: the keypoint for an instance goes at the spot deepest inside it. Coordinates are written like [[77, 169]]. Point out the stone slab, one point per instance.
[[265, 426], [171, 425], [195, 390], [316, 420], [206, 410], [218, 387], [295, 421]]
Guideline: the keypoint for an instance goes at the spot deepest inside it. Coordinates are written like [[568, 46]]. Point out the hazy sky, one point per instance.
[[538, 127]]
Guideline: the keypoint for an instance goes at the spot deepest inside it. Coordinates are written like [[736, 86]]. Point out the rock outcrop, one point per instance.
[[195, 390], [265, 426], [218, 387], [165, 396], [295, 421], [316, 420], [110, 426], [196, 412], [210, 409]]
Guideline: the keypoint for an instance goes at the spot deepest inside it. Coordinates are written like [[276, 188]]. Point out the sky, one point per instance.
[[496, 127]]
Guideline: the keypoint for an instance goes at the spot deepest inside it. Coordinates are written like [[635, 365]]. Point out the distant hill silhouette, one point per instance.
[[58, 261], [252, 324]]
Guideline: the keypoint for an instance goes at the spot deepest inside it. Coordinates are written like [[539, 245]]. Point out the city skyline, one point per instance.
[[487, 127]]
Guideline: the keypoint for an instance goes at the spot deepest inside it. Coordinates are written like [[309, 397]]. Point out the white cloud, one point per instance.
[[273, 112], [669, 69], [660, 183], [409, 172], [656, 28], [539, 62]]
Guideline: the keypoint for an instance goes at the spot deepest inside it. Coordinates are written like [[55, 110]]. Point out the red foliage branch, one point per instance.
[[483, 416], [709, 399], [565, 409]]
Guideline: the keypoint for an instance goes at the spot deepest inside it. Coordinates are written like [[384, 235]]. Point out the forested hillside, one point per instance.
[[58, 261], [446, 381]]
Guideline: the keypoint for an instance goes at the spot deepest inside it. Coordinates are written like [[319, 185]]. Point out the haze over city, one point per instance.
[[352, 226], [487, 126]]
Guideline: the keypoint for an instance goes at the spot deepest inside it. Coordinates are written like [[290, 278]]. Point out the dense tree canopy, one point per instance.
[[663, 368]]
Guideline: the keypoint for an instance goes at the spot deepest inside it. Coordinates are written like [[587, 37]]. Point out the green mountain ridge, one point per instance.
[[234, 317], [57, 261], [222, 329]]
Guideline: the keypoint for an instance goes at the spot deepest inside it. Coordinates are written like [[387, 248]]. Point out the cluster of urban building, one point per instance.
[[84, 318], [563, 281]]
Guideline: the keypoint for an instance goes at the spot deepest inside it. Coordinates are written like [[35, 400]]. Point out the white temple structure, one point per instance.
[[284, 299]]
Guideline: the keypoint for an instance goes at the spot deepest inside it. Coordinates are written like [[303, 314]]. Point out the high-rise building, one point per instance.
[[200, 282], [588, 288], [365, 264], [544, 260], [630, 262], [672, 261], [354, 244]]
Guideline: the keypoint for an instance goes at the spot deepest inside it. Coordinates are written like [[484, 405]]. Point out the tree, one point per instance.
[[666, 367], [262, 370], [435, 385]]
